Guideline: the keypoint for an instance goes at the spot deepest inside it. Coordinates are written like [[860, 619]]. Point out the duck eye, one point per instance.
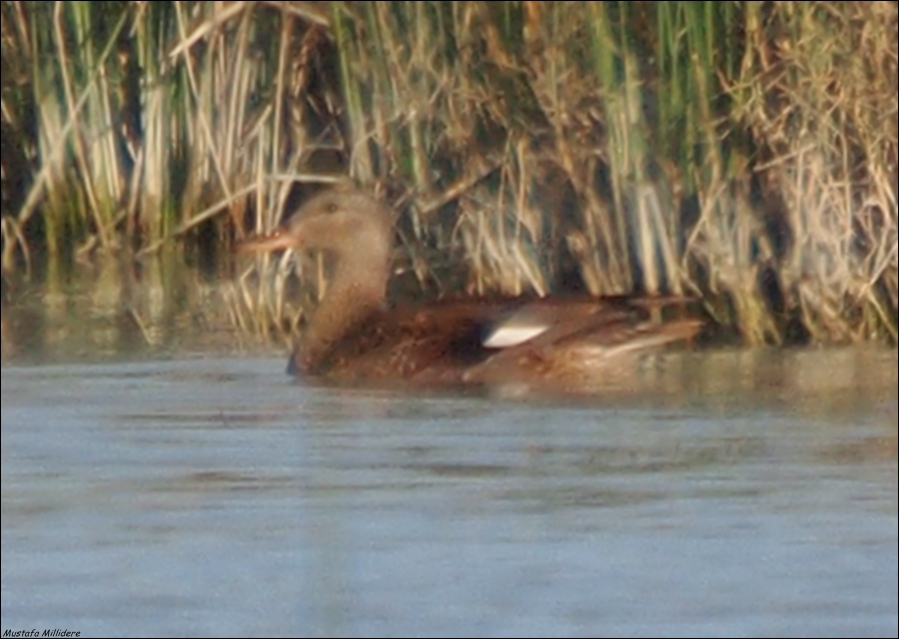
[[331, 207]]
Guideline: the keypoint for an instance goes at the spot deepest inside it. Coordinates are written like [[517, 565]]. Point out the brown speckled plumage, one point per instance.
[[354, 336]]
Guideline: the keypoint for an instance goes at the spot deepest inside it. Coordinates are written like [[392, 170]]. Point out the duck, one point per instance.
[[355, 336]]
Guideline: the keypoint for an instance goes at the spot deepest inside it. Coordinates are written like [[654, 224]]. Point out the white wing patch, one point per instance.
[[509, 334]]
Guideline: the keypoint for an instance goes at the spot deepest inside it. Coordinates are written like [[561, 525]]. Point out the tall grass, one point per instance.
[[744, 153]]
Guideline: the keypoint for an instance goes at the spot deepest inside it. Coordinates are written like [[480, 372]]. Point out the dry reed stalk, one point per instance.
[[745, 152]]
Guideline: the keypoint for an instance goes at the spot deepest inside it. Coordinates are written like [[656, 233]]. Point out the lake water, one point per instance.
[[217, 496]]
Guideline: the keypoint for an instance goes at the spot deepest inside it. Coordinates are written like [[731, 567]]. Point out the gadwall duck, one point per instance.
[[355, 336]]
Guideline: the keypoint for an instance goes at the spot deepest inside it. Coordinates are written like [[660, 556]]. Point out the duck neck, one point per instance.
[[355, 292]]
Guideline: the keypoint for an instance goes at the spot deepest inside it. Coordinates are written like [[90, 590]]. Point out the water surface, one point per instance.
[[216, 496]]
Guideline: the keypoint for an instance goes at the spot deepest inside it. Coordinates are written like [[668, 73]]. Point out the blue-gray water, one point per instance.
[[216, 496]]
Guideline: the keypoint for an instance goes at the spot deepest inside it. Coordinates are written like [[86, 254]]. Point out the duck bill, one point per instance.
[[278, 240]]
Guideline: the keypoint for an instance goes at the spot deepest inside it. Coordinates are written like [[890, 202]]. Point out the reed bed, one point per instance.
[[741, 153]]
